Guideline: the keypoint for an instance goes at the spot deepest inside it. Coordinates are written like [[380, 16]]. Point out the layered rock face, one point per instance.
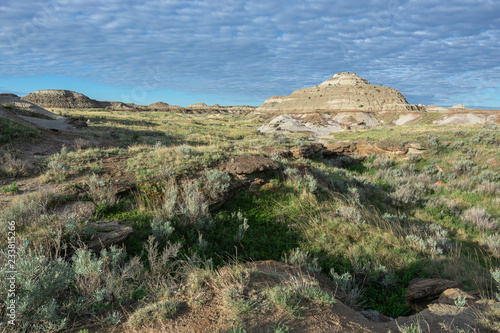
[[162, 106], [11, 100], [344, 92], [53, 98]]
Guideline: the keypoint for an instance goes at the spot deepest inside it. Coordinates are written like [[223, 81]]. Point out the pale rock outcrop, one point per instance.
[[13, 101], [54, 98], [162, 106], [344, 92]]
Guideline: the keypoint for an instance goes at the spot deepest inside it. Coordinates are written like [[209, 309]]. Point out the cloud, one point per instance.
[[429, 50]]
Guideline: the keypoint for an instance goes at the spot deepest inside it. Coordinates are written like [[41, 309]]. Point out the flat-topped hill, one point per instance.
[[54, 98], [343, 92]]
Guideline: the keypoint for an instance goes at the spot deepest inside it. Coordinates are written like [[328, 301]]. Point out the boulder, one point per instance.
[[449, 296], [271, 152], [421, 292], [313, 150], [108, 234], [248, 165]]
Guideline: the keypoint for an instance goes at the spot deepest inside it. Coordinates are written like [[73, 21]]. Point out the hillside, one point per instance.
[[219, 227], [343, 92]]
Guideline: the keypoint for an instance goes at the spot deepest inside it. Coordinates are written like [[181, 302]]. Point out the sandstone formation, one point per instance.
[[249, 165], [422, 292], [11, 101], [161, 106], [53, 98], [108, 234], [118, 106], [202, 107], [344, 92]]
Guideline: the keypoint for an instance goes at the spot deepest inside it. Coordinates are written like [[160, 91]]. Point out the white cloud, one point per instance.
[[255, 48]]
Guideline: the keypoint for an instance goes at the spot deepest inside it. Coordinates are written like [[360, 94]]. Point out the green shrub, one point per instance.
[[12, 188], [161, 228]]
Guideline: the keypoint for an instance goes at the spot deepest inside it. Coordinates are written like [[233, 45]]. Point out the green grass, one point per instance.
[[351, 222], [12, 131]]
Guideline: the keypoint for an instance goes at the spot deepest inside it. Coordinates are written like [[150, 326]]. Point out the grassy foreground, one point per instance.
[[370, 225]]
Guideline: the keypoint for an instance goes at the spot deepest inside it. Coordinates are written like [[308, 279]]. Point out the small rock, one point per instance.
[[249, 165], [108, 234], [375, 316], [449, 296]]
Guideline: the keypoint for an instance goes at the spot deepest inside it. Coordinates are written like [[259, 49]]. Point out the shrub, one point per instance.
[[463, 166], [351, 214], [408, 194], [383, 162], [479, 217], [433, 239], [100, 191], [302, 259], [57, 170], [488, 187], [493, 243], [113, 318], [104, 279], [12, 167], [298, 181], [242, 227], [496, 277], [41, 285], [152, 313], [161, 228], [193, 205], [347, 283], [29, 209], [216, 183]]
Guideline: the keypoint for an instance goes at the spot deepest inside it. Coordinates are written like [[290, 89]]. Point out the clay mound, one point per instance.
[[465, 119], [118, 106], [344, 92], [53, 98], [13, 101], [161, 106], [233, 109], [198, 106]]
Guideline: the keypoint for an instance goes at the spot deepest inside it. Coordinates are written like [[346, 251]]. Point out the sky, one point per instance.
[[236, 52]]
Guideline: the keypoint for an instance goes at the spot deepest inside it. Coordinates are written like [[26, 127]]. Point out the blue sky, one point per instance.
[[242, 52]]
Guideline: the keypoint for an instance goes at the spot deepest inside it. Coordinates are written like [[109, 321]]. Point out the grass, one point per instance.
[[381, 222], [12, 131]]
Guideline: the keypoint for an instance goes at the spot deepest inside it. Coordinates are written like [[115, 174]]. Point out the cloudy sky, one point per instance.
[[241, 52]]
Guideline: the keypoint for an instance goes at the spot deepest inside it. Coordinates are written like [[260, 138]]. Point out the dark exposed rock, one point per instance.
[[248, 165], [271, 152], [308, 151], [422, 292], [108, 234]]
